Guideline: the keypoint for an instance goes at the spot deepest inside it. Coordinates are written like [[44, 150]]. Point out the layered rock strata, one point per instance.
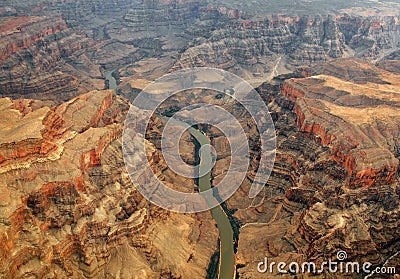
[[49, 45], [68, 208], [314, 203], [356, 111]]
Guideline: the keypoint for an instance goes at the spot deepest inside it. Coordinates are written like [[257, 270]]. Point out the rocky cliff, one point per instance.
[[335, 182], [68, 44], [32, 57], [266, 47], [68, 208], [334, 186], [354, 110]]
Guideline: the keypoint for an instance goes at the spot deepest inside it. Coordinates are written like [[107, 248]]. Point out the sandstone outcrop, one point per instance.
[[33, 53], [68, 207], [354, 110], [266, 47], [315, 202], [65, 48], [334, 184]]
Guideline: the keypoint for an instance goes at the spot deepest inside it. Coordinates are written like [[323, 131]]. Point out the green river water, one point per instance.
[[227, 255]]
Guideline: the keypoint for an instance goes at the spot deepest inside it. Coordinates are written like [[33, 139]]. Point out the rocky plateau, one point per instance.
[[331, 81], [56, 50]]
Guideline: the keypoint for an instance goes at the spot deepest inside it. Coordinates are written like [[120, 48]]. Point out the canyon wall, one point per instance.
[[68, 207], [334, 186], [64, 48]]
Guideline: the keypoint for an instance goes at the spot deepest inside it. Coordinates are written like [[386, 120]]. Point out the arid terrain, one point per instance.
[[329, 74]]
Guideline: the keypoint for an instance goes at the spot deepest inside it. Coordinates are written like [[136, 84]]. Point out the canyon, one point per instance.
[[56, 50], [335, 174], [69, 209], [331, 81]]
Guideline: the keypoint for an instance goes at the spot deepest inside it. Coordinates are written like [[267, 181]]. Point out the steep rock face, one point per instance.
[[267, 46], [354, 107], [14, 26], [32, 57], [370, 37], [324, 195], [315, 203], [67, 44], [68, 208]]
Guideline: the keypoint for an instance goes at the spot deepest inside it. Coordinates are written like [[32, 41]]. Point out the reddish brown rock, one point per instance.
[[356, 114], [17, 39], [68, 207], [313, 204]]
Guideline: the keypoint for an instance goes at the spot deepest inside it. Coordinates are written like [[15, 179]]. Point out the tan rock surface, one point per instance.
[[359, 118], [313, 205], [68, 208]]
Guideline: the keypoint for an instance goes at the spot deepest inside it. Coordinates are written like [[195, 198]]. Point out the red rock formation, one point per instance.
[[314, 204], [68, 207], [323, 105], [20, 39]]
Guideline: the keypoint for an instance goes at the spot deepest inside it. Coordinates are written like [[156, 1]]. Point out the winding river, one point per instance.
[[227, 256], [227, 268]]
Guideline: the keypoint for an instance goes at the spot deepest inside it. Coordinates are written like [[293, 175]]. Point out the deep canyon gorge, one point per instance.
[[331, 82]]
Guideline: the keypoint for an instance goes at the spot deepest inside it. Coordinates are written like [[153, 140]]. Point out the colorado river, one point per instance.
[[111, 79], [227, 256]]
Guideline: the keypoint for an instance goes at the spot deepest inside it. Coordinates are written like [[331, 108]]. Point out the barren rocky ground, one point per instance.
[[331, 82]]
